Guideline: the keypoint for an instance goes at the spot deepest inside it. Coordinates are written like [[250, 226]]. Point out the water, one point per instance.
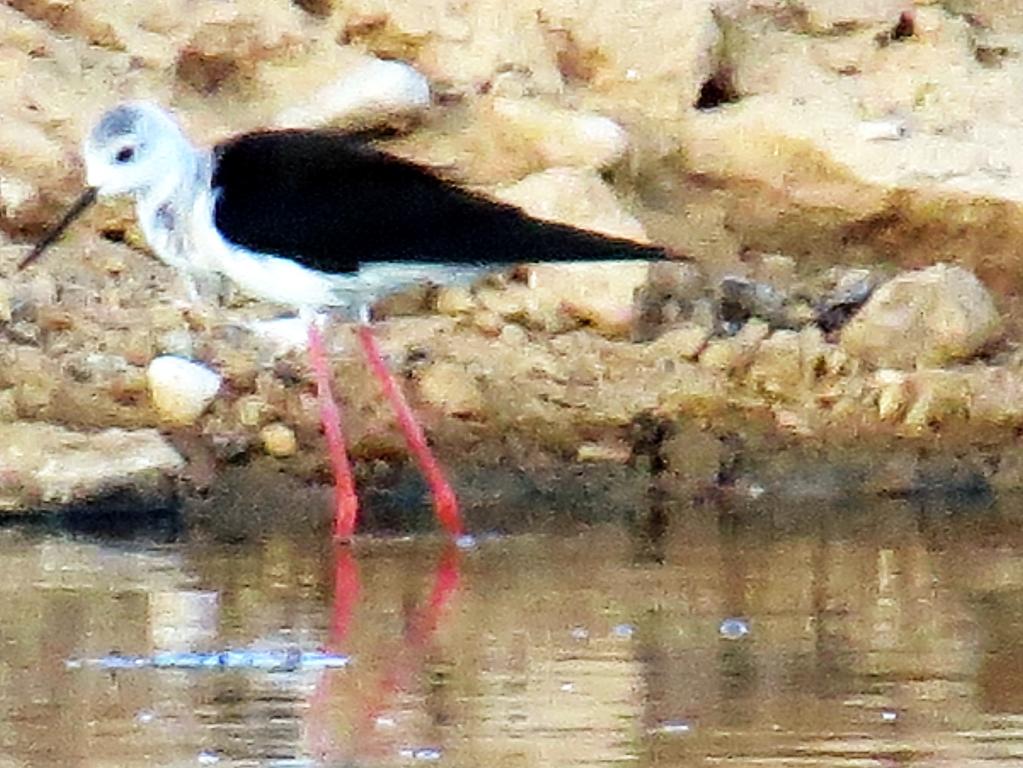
[[833, 636]]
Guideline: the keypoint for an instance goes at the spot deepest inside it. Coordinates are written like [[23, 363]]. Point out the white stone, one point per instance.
[[181, 389], [377, 87]]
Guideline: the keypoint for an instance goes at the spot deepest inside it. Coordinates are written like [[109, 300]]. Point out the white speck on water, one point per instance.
[[208, 757], [580, 633], [383, 721], [673, 727], [623, 630], [424, 754], [145, 716], [755, 491], [889, 715], [466, 542], [631, 75], [734, 628], [568, 687]]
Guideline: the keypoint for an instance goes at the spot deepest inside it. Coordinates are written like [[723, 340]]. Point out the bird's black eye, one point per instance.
[[125, 154]]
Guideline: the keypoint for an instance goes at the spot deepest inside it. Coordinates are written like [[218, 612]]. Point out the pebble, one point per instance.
[[279, 440], [250, 410], [180, 388]]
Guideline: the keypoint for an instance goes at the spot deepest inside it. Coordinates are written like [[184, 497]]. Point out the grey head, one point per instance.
[[135, 148]]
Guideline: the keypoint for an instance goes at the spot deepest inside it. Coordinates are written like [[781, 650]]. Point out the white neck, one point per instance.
[[166, 209]]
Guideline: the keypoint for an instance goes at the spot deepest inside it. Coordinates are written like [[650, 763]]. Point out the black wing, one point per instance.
[[332, 202]]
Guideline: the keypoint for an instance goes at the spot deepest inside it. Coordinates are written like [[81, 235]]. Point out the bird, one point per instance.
[[319, 220]]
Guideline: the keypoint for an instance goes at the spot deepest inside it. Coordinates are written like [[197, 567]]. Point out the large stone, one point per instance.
[[576, 196], [562, 137], [46, 466], [369, 90], [628, 41], [928, 317], [598, 293], [894, 139]]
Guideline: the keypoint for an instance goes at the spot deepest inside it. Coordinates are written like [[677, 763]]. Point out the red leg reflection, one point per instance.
[[419, 631], [347, 587], [406, 658], [346, 595]]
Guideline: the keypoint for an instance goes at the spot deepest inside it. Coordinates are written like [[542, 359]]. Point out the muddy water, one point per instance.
[[786, 635]]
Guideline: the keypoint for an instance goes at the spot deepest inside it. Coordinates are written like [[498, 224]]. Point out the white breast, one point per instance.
[[195, 245]]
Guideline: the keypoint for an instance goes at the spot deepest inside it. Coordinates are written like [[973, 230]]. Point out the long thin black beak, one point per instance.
[[87, 198]]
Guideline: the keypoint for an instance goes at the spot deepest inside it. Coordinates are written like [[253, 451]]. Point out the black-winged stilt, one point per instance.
[[318, 220]]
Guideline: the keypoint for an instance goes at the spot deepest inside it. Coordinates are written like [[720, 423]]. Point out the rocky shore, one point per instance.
[[841, 182]]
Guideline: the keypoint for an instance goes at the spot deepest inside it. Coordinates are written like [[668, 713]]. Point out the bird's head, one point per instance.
[[132, 148]]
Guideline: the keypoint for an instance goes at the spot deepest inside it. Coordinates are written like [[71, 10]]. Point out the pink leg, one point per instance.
[[346, 503], [445, 503]]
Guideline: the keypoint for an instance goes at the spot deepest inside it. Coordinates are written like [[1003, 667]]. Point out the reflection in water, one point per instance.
[[404, 658], [768, 635]]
